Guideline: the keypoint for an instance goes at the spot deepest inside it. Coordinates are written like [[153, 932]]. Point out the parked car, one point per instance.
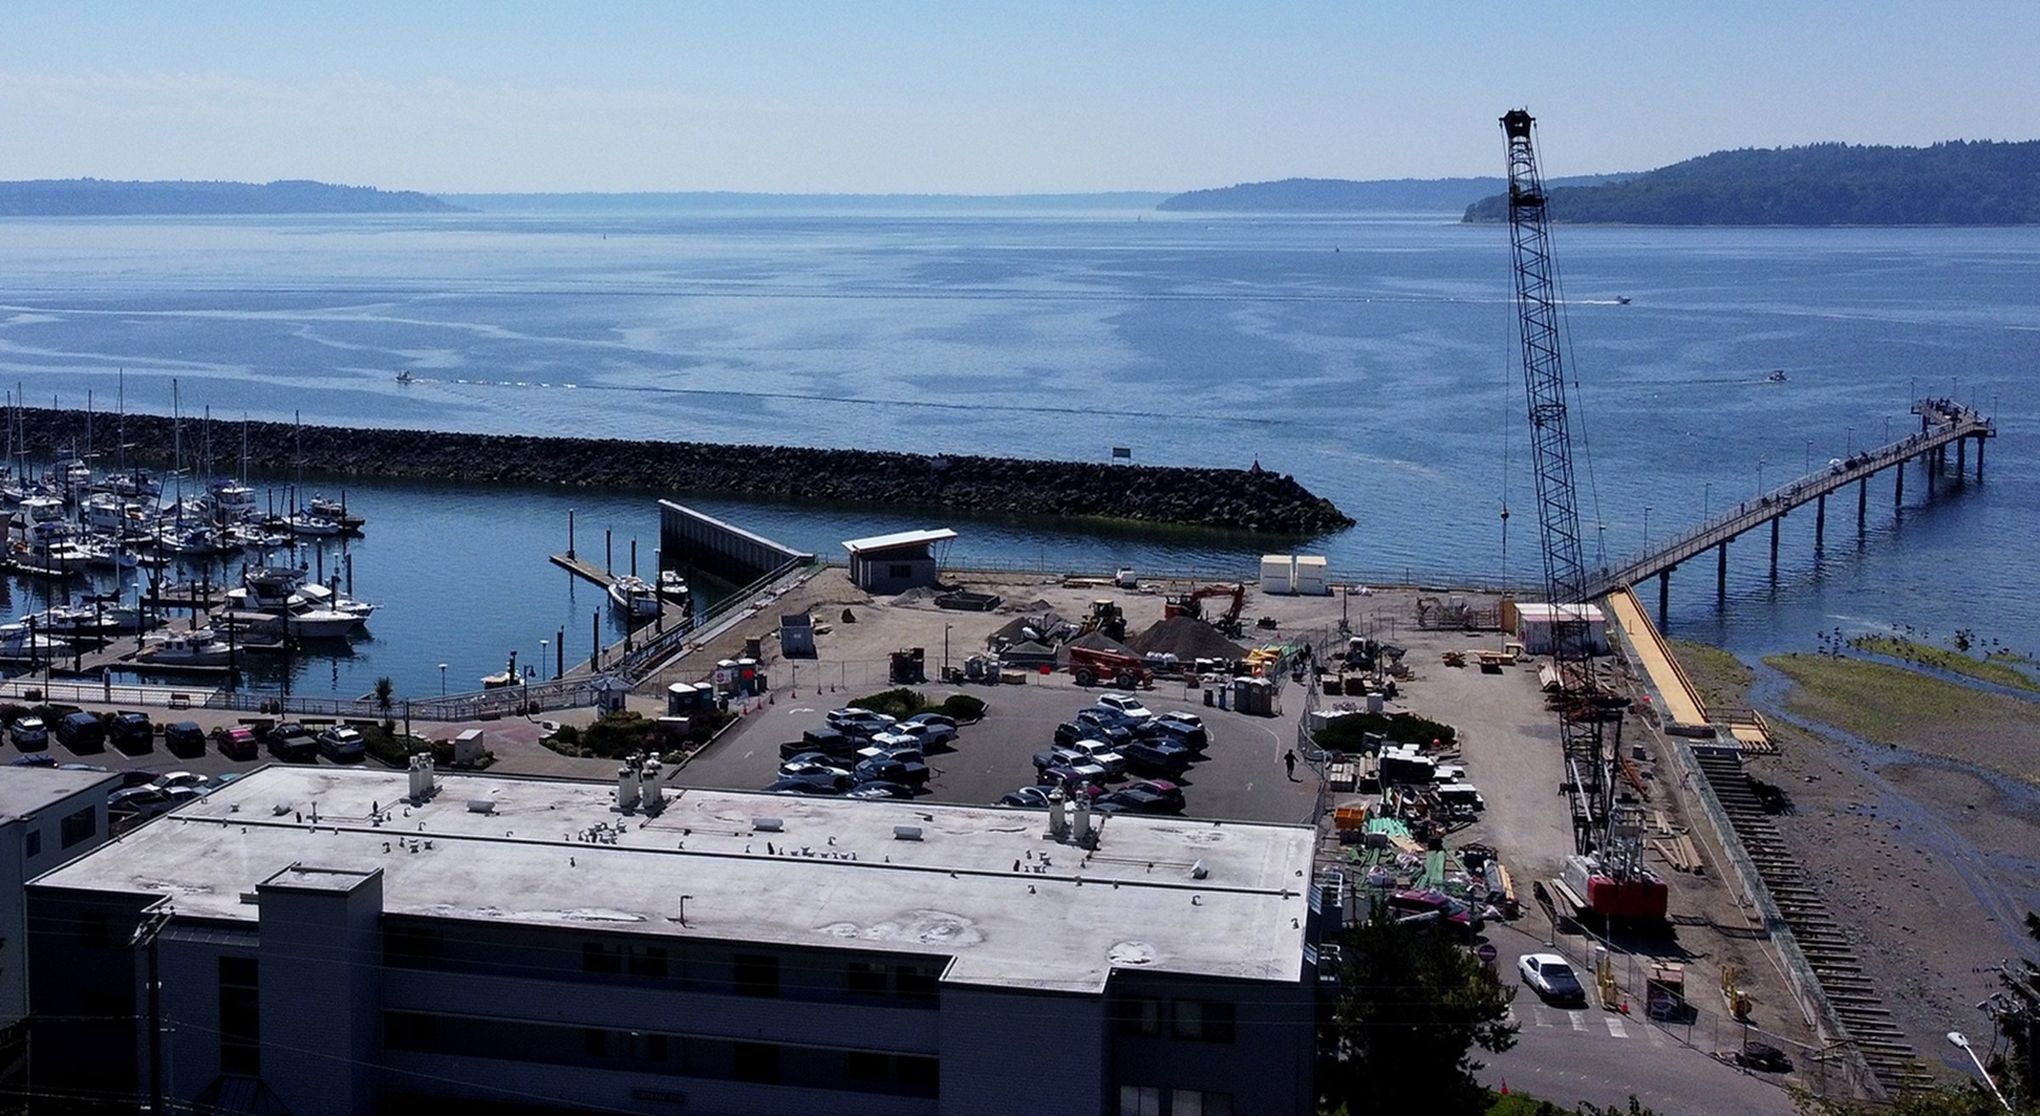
[[81, 732], [812, 764], [291, 743], [889, 770], [134, 777], [1100, 724], [1102, 754], [1448, 912], [39, 759], [342, 744], [237, 742], [921, 734], [149, 801], [1158, 754], [1077, 728], [880, 790], [1034, 798], [943, 719], [169, 780], [905, 753], [1552, 978], [1174, 726], [1129, 709], [131, 731], [1060, 767], [826, 742], [29, 733], [808, 784], [184, 738], [1139, 800], [1168, 794], [857, 722]]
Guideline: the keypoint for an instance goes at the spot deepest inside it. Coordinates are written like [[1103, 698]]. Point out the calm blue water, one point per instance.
[[1370, 357]]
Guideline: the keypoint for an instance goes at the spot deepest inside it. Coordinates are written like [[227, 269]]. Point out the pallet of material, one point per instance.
[[1342, 776], [1013, 677], [1563, 899]]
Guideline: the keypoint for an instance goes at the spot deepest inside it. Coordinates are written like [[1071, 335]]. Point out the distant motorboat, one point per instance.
[[635, 596], [1621, 300], [672, 586], [405, 377], [1777, 376], [306, 523], [201, 648]]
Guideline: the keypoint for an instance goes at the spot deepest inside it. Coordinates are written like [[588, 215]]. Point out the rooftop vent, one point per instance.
[[906, 832], [767, 825], [1199, 870], [481, 805]]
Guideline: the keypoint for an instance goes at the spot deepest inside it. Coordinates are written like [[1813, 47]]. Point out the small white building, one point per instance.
[[895, 563], [1313, 577], [1278, 574], [1534, 623]]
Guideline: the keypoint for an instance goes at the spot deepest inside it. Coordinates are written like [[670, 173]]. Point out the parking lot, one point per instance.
[[1241, 777]]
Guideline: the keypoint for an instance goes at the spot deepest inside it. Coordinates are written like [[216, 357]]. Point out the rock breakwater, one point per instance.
[[1240, 499]]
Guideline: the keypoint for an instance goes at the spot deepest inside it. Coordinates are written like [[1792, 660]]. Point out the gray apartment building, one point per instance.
[[47, 816], [345, 940]]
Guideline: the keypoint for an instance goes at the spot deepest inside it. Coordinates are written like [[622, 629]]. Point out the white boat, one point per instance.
[[232, 501], [137, 484], [103, 554], [321, 623], [108, 514], [305, 523], [187, 649], [17, 642], [83, 619], [672, 586], [40, 509], [635, 596], [189, 541]]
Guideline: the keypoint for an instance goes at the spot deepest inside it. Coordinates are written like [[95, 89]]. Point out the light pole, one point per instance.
[[1887, 430], [1601, 545], [1852, 442], [1760, 477], [442, 680], [945, 649], [1646, 527], [1962, 1040], [1809, 457], [1706, 499], [543, 646]]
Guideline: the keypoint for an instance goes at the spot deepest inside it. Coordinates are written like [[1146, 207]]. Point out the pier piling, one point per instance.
[[1721, 572], [1862, 502], [1774, 546], [1664, 599], [1820, 522]]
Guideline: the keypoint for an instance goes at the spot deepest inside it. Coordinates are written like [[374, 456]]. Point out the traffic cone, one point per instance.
[[1505, 1086]]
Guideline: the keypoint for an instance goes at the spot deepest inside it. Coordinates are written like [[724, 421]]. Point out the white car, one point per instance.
[[1128, 709], [1184, 716], [920, 734], [1102, 754], [1552, 978], [171, 779]]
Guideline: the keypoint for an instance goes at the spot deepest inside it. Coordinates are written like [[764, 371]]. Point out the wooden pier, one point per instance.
[[1942, 423]]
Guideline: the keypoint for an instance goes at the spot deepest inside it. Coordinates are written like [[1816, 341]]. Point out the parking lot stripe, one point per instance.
[[1615, 1027], [1579, 1020], [1543, 1020]]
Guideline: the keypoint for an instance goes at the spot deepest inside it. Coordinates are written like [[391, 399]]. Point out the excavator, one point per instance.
[[1192, 604]]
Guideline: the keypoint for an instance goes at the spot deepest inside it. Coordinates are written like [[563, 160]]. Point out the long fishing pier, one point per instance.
[[1942, 422]]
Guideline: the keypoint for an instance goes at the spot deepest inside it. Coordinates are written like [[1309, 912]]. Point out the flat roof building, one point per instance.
[[47, 817], [524, 945], [895, 563]]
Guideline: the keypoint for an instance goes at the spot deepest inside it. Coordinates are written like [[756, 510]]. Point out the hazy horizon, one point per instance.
[[892, 98]]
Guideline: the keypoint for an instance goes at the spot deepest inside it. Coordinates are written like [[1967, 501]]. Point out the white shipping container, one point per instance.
[[1278, 574], [1312, 578]]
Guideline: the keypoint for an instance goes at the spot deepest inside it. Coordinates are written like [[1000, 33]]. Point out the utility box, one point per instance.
[[468, 748], [797, 636]]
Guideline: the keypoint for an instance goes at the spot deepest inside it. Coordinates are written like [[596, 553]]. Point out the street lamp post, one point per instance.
[[1760, 477], [1962, 1040], [442, 680], [945, 649], [544, 645]]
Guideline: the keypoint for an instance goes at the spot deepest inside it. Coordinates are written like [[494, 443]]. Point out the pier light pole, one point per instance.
[[543, 645], [1887, 430], [1809, 455], [1851, 450], [1760, 477], [1706, 499], [1646, 527], [442, 680]]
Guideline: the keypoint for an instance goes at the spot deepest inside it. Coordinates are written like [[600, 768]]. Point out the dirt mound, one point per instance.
[[1097, 641], [1187, 638], [922, 594], [1015, 631]]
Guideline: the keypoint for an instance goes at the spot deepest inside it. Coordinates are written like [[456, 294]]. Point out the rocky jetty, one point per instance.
[[1243, 499]]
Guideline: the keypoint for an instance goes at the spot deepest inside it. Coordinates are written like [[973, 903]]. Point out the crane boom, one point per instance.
[[1557, 497]]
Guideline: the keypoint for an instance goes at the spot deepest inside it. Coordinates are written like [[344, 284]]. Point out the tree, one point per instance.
[[385, 697], [1412, 1005]]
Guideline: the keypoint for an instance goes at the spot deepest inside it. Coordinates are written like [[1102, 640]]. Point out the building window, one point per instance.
[[32, 845], [865, 1065], [1140, 1017], [899, 571], [645, 961], [599, 958], [595, 1042], [916, 982], [81, 826], [757, 974], [414, 942], [92, 928], [868, 978], [1191, 1102], [1203, 1020], [756, 1062], [1140, 1100], [240, 1017]]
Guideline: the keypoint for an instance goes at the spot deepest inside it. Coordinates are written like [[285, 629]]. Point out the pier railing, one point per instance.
[[1951, 424]]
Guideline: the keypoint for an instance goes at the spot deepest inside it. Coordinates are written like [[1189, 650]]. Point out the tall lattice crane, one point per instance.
[[1557, 498]]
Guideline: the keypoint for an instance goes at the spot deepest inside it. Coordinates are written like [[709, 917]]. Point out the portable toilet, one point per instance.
[[1278, 574], [1312, 577]]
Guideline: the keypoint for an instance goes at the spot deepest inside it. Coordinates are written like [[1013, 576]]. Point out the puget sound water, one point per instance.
[[1371, 356]]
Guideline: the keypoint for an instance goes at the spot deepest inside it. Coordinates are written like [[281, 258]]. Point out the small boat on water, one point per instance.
[[335, 510], [201, 648], [508, 676], [672, 586], [635, 596], [1777, 376], [405, 377], [1621, 300], [308, 523]]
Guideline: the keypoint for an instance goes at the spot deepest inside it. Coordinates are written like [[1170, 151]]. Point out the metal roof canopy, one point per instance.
[[898, 540]]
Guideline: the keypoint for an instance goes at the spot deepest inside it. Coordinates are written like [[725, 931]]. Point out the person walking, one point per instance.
[[1289, 763]]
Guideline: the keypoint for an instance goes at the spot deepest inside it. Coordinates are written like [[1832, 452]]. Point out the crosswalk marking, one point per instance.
[[1615, 1027], [1579, 1020], [1543, 1018]]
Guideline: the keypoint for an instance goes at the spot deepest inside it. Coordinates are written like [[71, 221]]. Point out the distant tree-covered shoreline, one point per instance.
[[97, 197]]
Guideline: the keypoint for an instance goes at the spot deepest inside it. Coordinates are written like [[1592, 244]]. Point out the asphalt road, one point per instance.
[[1241, 778], [1569, 1055]]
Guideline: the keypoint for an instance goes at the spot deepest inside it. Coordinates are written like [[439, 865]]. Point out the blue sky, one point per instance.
[[974, 97]]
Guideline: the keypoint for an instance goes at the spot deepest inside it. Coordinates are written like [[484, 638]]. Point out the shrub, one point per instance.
[[903, 702], [963, 707]]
